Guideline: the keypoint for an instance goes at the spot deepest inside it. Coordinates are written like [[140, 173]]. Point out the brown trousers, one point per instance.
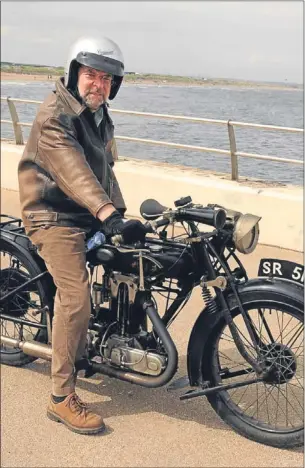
[[63, 250]]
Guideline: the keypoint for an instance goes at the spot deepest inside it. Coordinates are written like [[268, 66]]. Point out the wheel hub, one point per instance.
[[11, 278], [280, 362]]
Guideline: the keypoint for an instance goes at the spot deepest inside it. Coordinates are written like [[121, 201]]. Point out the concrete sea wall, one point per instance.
[[281, 207]]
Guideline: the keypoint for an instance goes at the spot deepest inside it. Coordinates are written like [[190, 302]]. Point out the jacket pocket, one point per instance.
[[41, 216]]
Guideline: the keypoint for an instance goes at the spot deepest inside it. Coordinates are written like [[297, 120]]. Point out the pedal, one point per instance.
[[179, 383]]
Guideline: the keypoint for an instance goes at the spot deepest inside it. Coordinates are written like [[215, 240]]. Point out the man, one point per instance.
[[67, 189]]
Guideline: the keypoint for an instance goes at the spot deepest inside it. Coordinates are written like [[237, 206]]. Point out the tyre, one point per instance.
[[269, 412], [17, 267]]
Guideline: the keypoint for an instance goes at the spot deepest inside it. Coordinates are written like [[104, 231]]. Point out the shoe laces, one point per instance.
[[77, 404]]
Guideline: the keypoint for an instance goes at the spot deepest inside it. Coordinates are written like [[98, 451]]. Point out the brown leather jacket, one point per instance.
[[65, 173]]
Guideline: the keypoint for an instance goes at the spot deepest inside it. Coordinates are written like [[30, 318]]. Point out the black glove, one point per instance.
[[131, 230], [121, 211]]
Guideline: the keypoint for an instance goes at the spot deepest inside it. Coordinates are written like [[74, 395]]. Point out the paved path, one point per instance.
[[146, 428]]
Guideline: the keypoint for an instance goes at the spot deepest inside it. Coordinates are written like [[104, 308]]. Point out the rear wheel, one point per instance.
[[17, 267], [269, 412]]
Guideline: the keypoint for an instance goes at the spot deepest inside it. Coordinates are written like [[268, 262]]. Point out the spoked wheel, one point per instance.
[[269, 412], [16, 269]]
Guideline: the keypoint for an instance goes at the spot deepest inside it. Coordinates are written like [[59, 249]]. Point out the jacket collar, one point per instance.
[[67, 97]]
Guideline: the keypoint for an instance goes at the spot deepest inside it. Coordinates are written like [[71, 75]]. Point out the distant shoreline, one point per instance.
[[10, 76]]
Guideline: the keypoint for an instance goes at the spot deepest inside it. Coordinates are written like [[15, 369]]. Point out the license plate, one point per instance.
[[273, 267]]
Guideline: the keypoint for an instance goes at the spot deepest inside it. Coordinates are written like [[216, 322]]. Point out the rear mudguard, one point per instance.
[[37, 264], [248, 292]]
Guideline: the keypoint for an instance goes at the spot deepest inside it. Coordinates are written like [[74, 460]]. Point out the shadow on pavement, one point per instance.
[[123, 398], [120, 398]]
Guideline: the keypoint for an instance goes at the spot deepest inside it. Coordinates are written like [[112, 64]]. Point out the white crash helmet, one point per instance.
[[102, 54]]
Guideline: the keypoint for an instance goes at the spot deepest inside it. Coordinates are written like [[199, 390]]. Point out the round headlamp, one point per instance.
[[246, 233]]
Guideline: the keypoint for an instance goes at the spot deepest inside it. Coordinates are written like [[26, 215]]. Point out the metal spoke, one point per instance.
[[294, 385], [277, 407], [298, 347], [257, 387], [260, 325], [290, 331], [263, 322], [295, 375], [232, 360], [261, 395], [257, 400], [227, 341], [247, 388], [31, 318], [267, 404], [21, 304], [17, 329], [287, 383], [277, 338], [280, 406], [301, 348], [298, 334], [4, 326], [266, 324], [29, 330], [281, 344], [287, 401], [280, 329], [236, 389]]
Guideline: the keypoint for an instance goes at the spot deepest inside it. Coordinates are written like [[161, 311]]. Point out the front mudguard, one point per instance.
[[248, 292]]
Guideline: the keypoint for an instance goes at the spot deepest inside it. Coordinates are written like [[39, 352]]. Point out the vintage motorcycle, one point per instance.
[[245, 350]]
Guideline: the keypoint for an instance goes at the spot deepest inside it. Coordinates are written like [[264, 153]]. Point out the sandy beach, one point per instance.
[[6, 76]]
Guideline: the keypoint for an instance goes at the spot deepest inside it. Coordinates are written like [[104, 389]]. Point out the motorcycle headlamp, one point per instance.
[[246, 233]]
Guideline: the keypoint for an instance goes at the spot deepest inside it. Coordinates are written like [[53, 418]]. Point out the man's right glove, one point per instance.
[[132, 230]]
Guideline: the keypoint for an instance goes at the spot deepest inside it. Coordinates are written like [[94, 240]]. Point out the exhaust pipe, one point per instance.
[[147, 380], [44, 351], [32, 348]]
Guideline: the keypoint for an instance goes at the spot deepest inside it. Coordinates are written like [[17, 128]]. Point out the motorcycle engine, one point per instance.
[[121, 351]]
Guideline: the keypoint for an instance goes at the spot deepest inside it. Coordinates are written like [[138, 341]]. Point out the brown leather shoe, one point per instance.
[[75, 415]]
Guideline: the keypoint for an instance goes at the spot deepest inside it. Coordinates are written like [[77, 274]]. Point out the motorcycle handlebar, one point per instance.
[[209, 216], [150, 228], [151, 225]]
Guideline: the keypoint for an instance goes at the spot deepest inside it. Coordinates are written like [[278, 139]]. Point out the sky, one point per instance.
[[261, 40]]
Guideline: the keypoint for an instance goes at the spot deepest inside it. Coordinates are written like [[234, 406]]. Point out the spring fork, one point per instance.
[[208, 299], [227, 315]]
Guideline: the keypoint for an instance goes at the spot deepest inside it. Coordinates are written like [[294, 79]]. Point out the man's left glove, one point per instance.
[[131, 230]]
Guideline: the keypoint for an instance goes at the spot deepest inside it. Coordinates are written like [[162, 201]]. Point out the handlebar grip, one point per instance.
[[215, 218], [160, 222], [118, 239]]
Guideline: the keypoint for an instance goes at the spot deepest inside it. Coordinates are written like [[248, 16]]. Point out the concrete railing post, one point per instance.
[[234, 161], [15, 120]]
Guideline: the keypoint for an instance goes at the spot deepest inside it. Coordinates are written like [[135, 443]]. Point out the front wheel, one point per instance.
[[268, 412]]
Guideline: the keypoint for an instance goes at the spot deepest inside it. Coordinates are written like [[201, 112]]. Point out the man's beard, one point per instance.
[[90, 101]]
